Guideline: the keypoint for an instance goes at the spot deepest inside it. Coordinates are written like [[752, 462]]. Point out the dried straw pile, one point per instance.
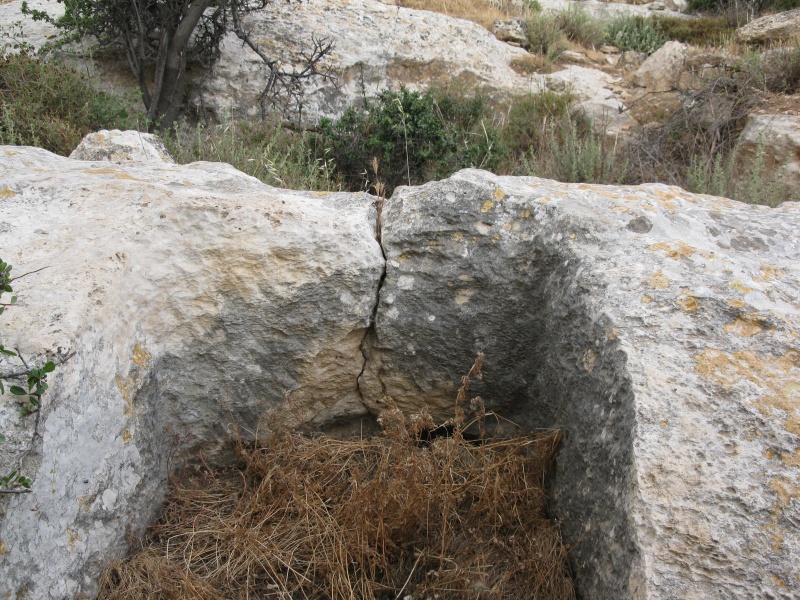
[[383, 517]]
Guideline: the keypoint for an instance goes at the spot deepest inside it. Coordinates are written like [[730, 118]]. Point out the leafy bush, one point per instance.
[[51, 106], [544, 36], [581, 27], [776, 71], [632, 32], [704, 31], [531, 119], [727, 175], [413, 137], [747, 8], [263, 150]]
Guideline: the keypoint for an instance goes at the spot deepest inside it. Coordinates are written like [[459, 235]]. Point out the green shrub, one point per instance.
[[776, 71], [408, 138], [264, 150], [635, 33], [581, 27], [544, 36], [704, 31], [531, 119], [746, 8], [52, 106], [726, 176]]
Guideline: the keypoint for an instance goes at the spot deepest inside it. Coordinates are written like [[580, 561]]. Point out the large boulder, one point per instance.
[[121, 146], [376, 47], [662, 70], [775, 140], [656, 327], [200, 303], [781, 26]]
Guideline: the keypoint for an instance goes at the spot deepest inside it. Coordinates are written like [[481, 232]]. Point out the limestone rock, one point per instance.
[[198, 300], [377, 47], [16, 27], [779, 138], [121, 146], [662, 70], [597, 100], [510, 30], [778, 27], [658, 328]]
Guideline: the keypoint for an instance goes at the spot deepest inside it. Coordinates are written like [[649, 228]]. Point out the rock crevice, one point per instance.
[[656, 328]]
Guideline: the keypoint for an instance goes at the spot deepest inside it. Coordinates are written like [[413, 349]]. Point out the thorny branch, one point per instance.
[[288, 84]]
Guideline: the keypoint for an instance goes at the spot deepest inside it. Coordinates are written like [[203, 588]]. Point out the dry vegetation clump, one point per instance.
[[384, 517], [482, 12]]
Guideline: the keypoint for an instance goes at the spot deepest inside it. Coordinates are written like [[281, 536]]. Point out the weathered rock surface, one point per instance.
[[198, 300], [597, 97], [510, 30], [777, 27], [377, 47], [662, 70], [778, 136], [121, 146], [658, 328]]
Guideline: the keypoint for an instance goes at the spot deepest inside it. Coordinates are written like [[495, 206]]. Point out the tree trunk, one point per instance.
[[169, 85]]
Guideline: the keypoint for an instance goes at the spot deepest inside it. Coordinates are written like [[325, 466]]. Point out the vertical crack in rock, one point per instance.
[[370, 332]]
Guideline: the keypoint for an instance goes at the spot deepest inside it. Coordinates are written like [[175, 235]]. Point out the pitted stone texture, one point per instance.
[[510, 30], [778, 27], [662, 70], [198, 300], [121, 146], [658, 328]]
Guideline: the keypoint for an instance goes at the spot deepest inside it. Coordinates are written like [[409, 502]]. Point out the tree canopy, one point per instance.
[[160, 37]]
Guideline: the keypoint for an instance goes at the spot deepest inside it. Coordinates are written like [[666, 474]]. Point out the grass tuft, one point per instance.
[[384, 517]]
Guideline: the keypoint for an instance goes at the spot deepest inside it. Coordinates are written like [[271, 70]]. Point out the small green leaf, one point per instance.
[[49, 367], [13, 299], [8, 352], [2, 438], [17, 391], [40, 390]]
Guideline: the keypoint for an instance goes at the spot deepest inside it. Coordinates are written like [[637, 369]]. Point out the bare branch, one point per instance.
[[59, 360]]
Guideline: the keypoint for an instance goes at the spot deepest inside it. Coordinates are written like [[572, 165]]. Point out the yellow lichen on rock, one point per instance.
[[681, 250], [659, 280], [746, 325]]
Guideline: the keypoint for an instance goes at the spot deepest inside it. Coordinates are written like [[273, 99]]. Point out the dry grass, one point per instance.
[[385, 517], [482, 12]]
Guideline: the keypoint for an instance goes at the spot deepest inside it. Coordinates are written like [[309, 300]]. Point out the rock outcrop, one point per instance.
[[198, 300], [771, 28], [121, 146], [377, 46], [657, 328], [662, 70]]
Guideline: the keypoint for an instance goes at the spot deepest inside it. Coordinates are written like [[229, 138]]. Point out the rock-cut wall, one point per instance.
[[659, 329]]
